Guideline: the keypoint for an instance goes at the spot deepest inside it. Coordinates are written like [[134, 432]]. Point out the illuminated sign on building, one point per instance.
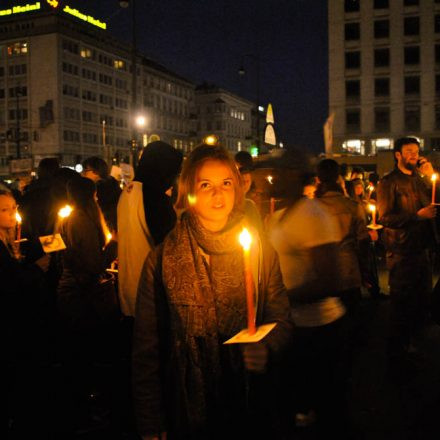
[[85, 17], [54, 4], [20, 9]]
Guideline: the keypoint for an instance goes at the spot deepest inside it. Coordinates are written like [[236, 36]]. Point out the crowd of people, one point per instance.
[[151, 281]]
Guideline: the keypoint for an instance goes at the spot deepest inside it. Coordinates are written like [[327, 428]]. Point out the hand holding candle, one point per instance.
[[245, 239]]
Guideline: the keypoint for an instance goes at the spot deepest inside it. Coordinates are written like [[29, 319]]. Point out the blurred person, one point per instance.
[[192, 299], [145, 216], [406, 212], [306, 238], [107, 188]]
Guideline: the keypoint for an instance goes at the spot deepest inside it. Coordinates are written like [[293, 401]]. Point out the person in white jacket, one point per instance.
[[145, 216]]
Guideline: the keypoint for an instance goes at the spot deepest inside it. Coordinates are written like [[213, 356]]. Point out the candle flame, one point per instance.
[[65, 211], [434, 177], [109, 236], [372, 207], [192, 199], [270, 179], [245, 239], [18, 217]]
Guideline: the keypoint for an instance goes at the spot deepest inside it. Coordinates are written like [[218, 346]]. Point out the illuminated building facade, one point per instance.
[[228, 116], [384, 73], [62, 74]]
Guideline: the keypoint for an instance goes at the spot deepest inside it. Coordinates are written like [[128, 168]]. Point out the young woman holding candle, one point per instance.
[[191, 299]]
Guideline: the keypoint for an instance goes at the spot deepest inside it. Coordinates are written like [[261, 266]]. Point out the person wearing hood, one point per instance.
[[145, 216]]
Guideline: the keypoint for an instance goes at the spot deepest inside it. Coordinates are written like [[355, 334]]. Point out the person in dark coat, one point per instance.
[[25, 331], [191, 300], [406, 212], [85, 336], [36, 205]]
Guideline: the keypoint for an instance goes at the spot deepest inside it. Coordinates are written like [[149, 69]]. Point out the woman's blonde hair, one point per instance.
[[192, 165], [8, 237]]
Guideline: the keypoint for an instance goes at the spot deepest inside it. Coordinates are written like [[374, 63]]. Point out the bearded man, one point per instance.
[[406, 212]]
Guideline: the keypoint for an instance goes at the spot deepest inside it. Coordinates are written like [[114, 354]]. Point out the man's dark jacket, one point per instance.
[[399, 197]]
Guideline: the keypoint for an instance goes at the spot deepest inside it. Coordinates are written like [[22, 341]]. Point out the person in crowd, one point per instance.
[[352, 252], [36, 205], [306, 238], [405, 211], [191, 300], [355, 237], [108, 190], [85, 334], [244, 162], [25, 331], [145, 216]]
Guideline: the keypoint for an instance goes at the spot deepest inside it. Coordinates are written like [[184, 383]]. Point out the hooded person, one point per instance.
[[145, 216]]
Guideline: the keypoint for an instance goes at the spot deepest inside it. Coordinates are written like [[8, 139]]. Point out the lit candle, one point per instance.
[[434, 179], [373, 214], [270, 179], [18, 230], [245, 239], [65, 211]]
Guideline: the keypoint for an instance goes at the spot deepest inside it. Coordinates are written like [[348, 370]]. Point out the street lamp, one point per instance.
[[125, 4], [242, 72], [18, 94]]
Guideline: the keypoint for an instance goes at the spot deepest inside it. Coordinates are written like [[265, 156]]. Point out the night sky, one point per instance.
[[205, 40]]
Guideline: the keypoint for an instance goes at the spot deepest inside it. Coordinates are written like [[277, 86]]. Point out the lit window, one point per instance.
[[119, 64], [354, 146], [18, 48], [86, 53]]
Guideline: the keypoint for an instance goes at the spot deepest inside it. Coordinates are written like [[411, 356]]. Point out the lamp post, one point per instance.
[[126, 4], [17, 127], [242, 72]]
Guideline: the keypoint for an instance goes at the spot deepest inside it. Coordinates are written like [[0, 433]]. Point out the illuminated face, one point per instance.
[[408, 157], [214, 194], [359, 189], [8, 208]]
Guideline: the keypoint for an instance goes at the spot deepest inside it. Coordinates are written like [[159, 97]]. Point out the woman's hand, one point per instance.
[[255, 357]]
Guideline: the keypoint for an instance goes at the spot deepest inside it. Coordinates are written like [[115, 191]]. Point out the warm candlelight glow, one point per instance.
[[270, 179], [434, 177], [65, 211], [372, 208], [18, 217], [245, 239], [109, 236]]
